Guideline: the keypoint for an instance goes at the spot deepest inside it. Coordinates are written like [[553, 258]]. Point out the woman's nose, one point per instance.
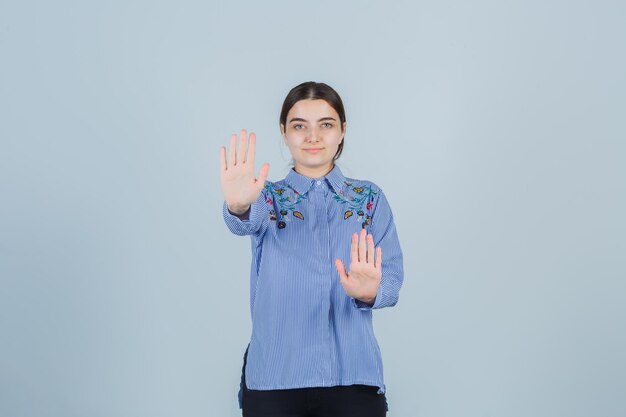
[[313, 135]]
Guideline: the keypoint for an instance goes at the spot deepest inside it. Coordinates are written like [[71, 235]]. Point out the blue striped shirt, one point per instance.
[[306, 331]]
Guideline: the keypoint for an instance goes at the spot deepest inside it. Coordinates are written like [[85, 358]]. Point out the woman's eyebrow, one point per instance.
[[299, 119]]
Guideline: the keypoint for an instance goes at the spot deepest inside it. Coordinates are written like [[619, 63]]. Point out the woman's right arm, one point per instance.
[[242, 191]]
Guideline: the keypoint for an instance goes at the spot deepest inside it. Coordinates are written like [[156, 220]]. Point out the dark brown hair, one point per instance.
[[311, 90]]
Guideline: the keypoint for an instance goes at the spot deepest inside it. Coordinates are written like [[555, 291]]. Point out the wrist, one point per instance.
[[370, 300], [238, 210]]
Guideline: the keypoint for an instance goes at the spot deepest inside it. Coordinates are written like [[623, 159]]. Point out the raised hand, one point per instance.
[[239, 185], [365, 270]]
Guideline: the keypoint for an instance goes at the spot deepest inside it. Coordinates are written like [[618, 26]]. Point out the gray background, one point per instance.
[[496, 129]]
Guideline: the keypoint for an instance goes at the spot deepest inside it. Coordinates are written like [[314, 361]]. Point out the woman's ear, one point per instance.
[[283, 133]]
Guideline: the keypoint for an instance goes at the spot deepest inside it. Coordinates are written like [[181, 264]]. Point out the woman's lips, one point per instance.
[[313, 150]]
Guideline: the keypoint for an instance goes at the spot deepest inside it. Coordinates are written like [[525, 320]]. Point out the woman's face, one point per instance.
[[313, 134]]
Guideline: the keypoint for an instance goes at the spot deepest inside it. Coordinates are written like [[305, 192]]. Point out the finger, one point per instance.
[[343, 276], [370, 249], [341, 269], [251, 149], [223, 159], [263, 175], [379, 258], [243, 145], [362, 247], [354, 254], [232, 155]]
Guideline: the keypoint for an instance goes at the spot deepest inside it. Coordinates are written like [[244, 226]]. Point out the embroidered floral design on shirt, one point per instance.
[[356, 198], [286, 202]]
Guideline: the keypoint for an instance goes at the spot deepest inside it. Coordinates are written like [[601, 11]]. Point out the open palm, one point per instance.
[[239, 185], [365, 269]]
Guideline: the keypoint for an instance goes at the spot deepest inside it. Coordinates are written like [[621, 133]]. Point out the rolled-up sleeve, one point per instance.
[[383, 230], [252, 222]]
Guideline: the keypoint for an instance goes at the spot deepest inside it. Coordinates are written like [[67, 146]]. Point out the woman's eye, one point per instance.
[[298, 127], [327, 125]]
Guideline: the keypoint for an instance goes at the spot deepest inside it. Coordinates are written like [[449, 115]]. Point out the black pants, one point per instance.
[[337, 401]]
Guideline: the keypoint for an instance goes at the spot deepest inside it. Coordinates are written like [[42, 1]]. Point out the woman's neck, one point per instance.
[[313, 172]]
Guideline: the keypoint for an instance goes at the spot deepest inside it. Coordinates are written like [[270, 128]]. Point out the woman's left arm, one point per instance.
[[383, 230], [365, 273]]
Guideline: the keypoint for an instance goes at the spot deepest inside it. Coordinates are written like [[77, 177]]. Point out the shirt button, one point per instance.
[[319, 182]]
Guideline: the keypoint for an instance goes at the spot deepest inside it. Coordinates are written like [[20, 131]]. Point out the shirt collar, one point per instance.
[[302, 183]]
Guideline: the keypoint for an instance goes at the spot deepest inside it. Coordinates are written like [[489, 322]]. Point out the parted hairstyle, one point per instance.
[[312, 90]]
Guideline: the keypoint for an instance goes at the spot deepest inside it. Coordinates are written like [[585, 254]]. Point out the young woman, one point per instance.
[[325, 254]]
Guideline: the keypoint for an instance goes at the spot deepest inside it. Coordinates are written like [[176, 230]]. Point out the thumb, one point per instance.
[[343, 276], [263, 175]]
